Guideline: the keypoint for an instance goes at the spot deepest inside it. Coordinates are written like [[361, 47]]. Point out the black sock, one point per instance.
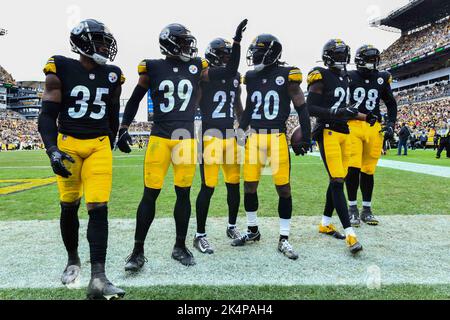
[[182, 214], [69, 225], [251, 204], [285, 208], [284, 238], [144, 218], [329, 206], [202, 207], [367, 184], [352, 183], [340, 203], [97, 235], [234, 201]]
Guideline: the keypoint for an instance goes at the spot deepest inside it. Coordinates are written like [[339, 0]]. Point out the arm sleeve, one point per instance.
[[246, 115], [305, 121], [133, 105], [231, 69], [47, 123], [114, 115], [313, 101], [391, 103]]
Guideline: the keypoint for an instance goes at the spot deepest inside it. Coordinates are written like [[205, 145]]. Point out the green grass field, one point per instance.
[[396, 193]]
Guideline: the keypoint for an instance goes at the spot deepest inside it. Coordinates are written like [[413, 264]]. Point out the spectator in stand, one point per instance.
[[403, 136]]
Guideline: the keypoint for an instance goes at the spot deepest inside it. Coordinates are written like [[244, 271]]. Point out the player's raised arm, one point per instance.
[[238, 108], [131, 109], [51, 106], [232, 66]]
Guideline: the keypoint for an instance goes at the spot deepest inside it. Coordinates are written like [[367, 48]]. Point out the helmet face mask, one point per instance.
[[264, 51], [94, 40], [176, 41], [367, 58]]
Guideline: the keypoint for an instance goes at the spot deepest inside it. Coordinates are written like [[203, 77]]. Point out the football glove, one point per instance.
[[240, 29], [371, 119], [348, 112], [57, 158], [302, 148], [124, 141]]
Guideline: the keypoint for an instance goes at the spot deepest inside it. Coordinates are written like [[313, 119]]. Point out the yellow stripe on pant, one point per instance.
[[366, 145], [91, 172]]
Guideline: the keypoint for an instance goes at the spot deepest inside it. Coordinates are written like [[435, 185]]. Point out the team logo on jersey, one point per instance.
[[164, 35], [92, 76], [193, 69], [280, 81], [113, 77], [380, 81], [236, 83]]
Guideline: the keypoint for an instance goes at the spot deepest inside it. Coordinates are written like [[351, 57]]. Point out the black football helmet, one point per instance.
[[177, 41], [264, 51], [336, 54], [367, 58], [93, 39], [218, 52]]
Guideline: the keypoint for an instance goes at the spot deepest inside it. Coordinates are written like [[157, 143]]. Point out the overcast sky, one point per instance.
[[40, 29]]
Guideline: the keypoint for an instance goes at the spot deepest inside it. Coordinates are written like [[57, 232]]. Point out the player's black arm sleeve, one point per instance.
[[305, 121], [313, 102], [244, 122], [231, 68], [133, 105], [47, 123], [391, 105], [114, 115]]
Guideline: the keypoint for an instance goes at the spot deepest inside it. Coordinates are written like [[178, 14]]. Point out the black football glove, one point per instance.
[[56, 160], [388, 130], [302, 148], [240, 29], [371, 119], [124, 141], [347, 113]]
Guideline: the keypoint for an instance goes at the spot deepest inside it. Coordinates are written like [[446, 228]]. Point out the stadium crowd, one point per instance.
[[17, 133], [433, 91], [5, 77], [417, 43]]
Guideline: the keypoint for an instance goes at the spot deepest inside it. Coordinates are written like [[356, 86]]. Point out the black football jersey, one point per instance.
[[335, 95], [366, 90], [86, 96], [217, 103], [268, 97], [174, 86]]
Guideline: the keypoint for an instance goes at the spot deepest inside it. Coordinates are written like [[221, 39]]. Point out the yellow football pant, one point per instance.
[[335, 152], [91, 172]]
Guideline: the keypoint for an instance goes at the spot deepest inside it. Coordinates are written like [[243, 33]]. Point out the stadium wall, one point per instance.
[[422, 78]]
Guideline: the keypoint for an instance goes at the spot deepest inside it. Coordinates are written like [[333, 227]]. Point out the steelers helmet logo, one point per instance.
[[279, 81], [113, 77], [78, 29], [164, 35], [236, 83], [193, 69], [380, 81]]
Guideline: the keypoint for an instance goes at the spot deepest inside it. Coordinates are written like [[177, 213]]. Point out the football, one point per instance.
[[296, 138]]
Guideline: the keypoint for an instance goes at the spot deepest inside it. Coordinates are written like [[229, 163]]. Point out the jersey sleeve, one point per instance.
[[122, 78], [205, 64], [314, 76], [50, 66], [142, 67], [295, 75]]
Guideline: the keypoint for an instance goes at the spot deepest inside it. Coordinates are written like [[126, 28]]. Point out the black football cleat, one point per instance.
[[183, 256], [248, 237], [368, 217], [202, 244], [135, 262], [233, 233], [71, 274], [100, 288], [355, 220]]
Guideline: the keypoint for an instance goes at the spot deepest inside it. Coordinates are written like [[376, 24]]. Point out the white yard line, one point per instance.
[[438, 171], [402, 250]]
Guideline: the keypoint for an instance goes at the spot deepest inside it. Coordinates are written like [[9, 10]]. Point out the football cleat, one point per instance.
[[331, 230], [233, 233], [100, 288], [184, 256], [135, 262], [368, 217], [249, 236], [286, 248], [71, 276], [353, 244], [353, 213], [202, 244]]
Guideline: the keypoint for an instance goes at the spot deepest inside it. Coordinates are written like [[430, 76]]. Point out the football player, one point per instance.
[[84, 95], [174, 84], [367, 87], [271, 87], [220, 103], [328, 97]]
